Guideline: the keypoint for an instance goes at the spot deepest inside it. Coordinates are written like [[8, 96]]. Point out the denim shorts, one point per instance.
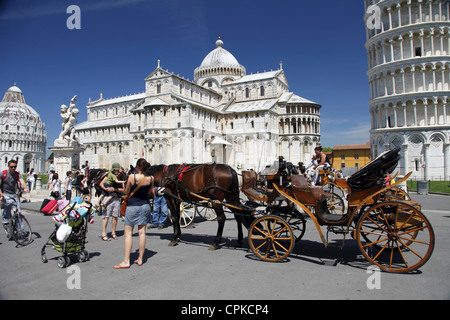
[[137, 215]]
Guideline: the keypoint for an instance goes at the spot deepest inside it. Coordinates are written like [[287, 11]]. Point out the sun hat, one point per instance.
[[115, 166]]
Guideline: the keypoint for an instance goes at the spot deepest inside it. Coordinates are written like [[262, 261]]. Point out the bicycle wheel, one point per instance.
[[21, 229], [7, 228]]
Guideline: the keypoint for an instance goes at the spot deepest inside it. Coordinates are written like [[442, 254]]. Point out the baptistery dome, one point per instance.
[[218, 62], [23, 137]]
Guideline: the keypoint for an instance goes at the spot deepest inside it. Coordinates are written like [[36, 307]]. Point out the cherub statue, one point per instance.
[[68, 114]]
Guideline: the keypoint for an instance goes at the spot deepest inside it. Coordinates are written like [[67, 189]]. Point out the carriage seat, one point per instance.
[[307, 194], [250, 188]]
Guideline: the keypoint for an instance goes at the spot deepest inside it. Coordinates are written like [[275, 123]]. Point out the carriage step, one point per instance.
[[339, 245]]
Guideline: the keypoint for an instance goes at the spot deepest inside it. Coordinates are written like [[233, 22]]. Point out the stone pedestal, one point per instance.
[[66, 159]]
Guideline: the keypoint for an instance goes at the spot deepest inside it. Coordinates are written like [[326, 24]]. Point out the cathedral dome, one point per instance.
[[219, 62], [14, 110], [23, 135]]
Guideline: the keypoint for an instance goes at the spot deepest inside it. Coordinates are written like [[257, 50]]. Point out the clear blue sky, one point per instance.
[[321, 44]]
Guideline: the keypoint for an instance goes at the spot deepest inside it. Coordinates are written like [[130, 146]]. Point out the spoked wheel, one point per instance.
[[295, 220], [187, 214], [21, 230], [395, 236], [398, 193], [336, 205], [271, 238], [333, 188], [206, 212]]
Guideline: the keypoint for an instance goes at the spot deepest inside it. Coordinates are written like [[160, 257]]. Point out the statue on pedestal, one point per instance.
[[67, 147], [68, 137]]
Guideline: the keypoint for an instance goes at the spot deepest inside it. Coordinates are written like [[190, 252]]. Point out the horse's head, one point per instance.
[[157, 172]]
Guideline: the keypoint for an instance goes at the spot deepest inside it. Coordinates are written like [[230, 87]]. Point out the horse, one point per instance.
[[212, 181], [94, 178]]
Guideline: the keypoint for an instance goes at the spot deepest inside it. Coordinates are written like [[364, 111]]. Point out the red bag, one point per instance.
[[50, 207]]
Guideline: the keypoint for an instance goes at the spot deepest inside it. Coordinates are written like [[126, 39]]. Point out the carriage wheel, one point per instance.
[[395, 236], [398, 193], [206, 212], [187, 214], [336, 205], [271, 238], [296, 221], [333, 188]]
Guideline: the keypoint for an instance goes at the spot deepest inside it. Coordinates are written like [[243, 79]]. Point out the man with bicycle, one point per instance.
[[9, 180]]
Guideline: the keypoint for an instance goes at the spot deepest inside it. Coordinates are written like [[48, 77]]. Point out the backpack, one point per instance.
[[5, 172], [16, 178]]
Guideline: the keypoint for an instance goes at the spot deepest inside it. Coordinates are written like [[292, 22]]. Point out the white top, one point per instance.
[[68, 182], [56, 185]]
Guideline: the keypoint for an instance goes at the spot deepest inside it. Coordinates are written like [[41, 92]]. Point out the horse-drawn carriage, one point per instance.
[[391, 232]]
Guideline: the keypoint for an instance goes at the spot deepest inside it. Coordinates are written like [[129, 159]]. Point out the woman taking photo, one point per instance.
[[138, 211]]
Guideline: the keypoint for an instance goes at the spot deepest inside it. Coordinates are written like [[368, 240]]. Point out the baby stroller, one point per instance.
[[69, 236]]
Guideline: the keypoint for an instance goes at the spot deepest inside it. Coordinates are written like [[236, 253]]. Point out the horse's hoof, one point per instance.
[[213, 247], [173, 243]]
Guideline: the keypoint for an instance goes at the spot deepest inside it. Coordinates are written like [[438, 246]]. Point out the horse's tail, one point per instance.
[[234, 188]]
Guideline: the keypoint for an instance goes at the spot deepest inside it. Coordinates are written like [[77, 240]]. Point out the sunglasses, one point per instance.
[[13, 167]]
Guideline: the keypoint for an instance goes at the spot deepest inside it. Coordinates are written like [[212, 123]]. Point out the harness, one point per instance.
[[182, 169], [177, 177]]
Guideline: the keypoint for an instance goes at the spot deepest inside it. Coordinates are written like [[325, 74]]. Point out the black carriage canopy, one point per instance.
[[375, 171]]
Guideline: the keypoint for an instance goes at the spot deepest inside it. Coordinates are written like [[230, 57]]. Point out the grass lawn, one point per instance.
[[433, 186]]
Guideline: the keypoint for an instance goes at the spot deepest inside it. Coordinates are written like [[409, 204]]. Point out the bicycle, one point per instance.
[[18, 228]]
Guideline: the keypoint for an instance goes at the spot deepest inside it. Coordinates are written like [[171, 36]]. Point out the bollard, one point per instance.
[[422, 187], [38, 184]]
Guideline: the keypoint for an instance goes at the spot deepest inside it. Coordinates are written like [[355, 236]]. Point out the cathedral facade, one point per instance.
[[224, 115]]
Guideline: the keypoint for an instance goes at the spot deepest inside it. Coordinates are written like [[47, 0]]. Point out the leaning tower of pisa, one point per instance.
[[408, 48]]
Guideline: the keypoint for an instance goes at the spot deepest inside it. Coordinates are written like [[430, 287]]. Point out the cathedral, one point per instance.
[[225, 115]]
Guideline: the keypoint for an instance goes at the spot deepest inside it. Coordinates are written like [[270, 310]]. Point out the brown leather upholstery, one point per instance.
[[306, 194], [249, 186]]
